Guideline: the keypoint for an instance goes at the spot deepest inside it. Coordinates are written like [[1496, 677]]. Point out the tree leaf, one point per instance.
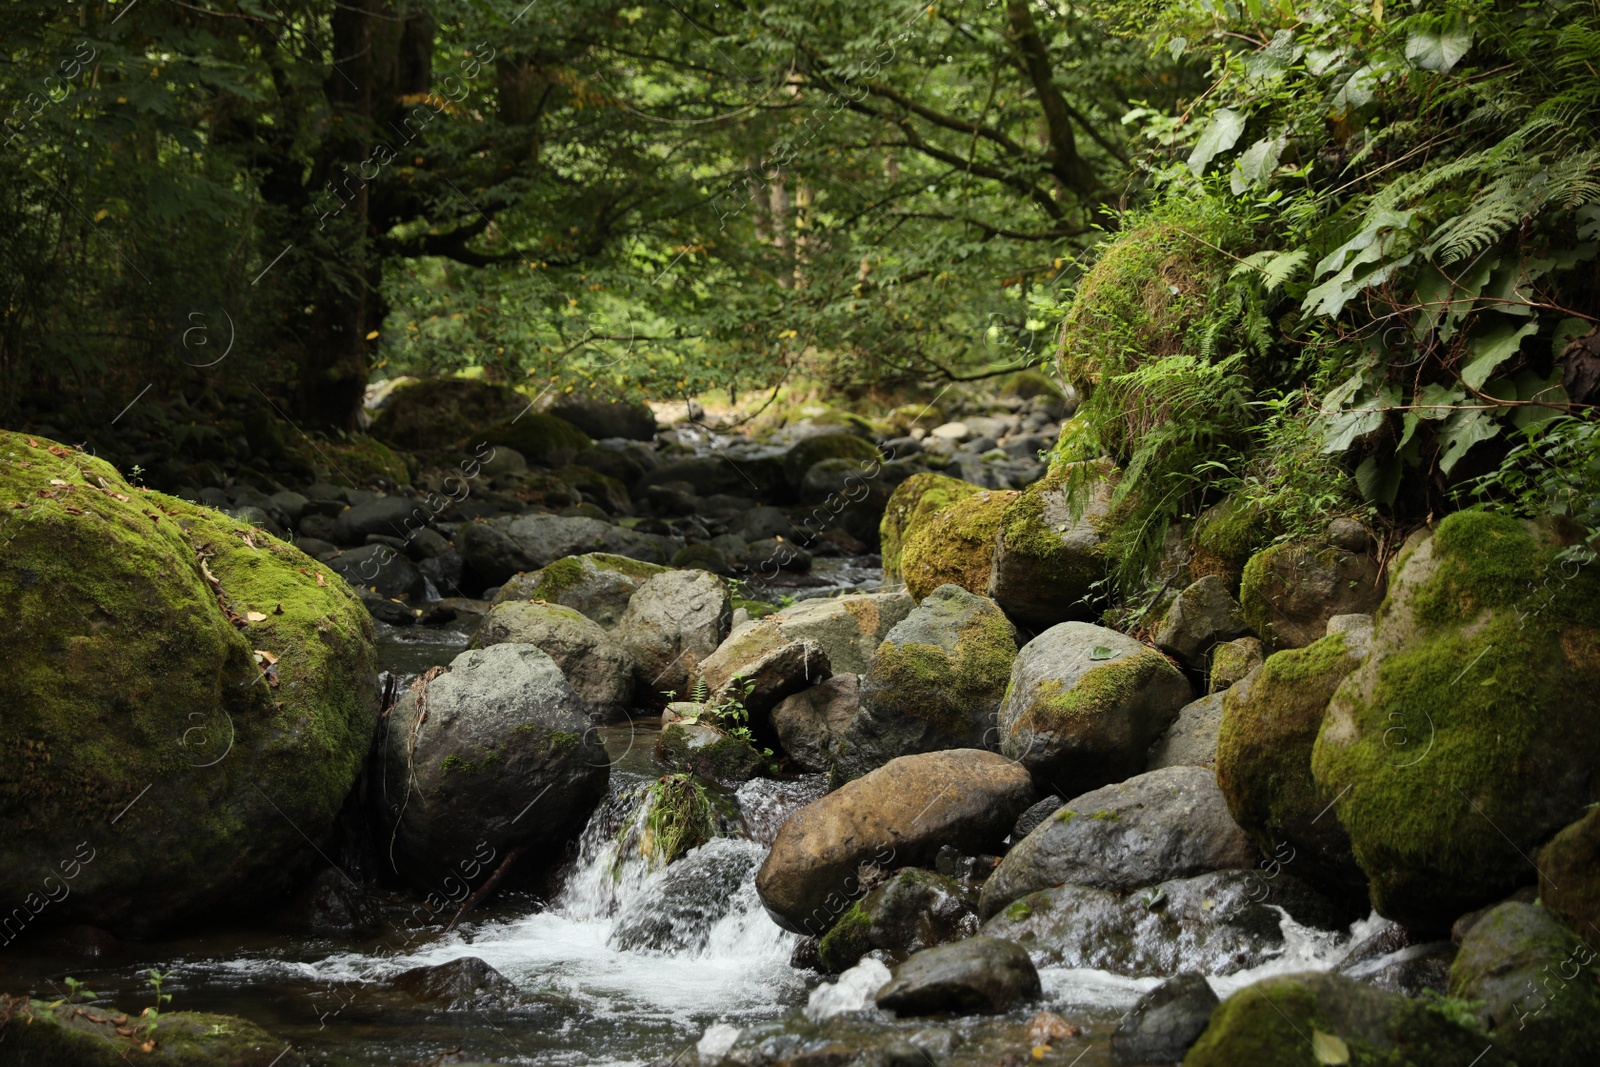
[[1220, 134], [1329, 1050], [1496, 344], [1256, 164], [1379, 479], [1102, 652], [1440, 49], [1461, 431]]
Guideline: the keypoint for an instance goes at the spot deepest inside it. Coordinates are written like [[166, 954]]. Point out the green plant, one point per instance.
[[1459, 1011], [77, 992], [678, 816], [152, 1014]]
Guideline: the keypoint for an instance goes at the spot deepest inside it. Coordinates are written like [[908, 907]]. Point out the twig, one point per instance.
[[486, 888]]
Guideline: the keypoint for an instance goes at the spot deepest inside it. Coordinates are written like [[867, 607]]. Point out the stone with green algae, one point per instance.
[[41, 1033], [955, 545]]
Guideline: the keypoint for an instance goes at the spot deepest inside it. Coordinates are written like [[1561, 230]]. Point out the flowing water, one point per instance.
[[626, 964]]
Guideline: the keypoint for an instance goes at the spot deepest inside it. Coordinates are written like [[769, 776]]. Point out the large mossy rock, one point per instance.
[[912, 503], [935, 682], [543, 439], [956, 545], [38, 1033], [1051, 546], [848, 628], [597, 585], [674, 621], [1085, 704], [1219, 922], [140, 718], [843, 445], [1300, 1020], [1270, 722], [598, 668], [1570, 886], [1289, 591], [494, 753], [1170, 823], [1471, 734], [899, 815], [1225, 536], [606, 417], [915, 909], [1532, 982], [440, 413]]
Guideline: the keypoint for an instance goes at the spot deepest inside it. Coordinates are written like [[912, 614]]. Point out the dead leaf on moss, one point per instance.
[[263, 656], [255, 616], [319, 579]]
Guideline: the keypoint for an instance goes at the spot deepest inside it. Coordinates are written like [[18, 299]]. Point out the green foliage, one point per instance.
[[679, 816]]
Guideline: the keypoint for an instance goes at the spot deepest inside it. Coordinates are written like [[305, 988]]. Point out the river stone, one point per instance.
[[1276, 1023], [127, 634], [1269, 725], [493, 754], [46, 1033], [496, 549], [955, 545], [980, 974], [761, 667], [694, 893], [1570, 865], [597, 585], [848, 628], [380, 569], [393, 516], [1232, 660], [811, 723], [1050, 550], [1191, 740], [915, 909], [462, 984], [1532, 980], [1170, 823], [1471, 734], [1029, 820], [898, 815], [758, 477], [1289, 591], [599, 669], [673, 621], [1085, 704], [1202, 616], [709, 752], [1218, 922], [913, 502], [603, 417], [935, 682], [1165, 1022], [803, 455]]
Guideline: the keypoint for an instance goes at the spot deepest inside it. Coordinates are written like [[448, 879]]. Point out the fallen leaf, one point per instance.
[[47, 494], [263, 656], [74, 511], [255, 616], [1328, 1049], [57, 450], [319, 579], [57, 481], [19, 504], [32, 443], [212, 578], [1101, 652]]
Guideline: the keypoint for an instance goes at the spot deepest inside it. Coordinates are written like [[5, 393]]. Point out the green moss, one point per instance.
[[758, 609], [944, 687], [912, 503], [443, 413], [1225, 537], [1030, 383], [561, 576], [701, 557], [1065, 815], [846, 446], [1099, 692], [955, 545], [543, 439], [1484, 680], [565, 740], [727, 759], [1019, 911], [1105, 815], [843, 946], [1037, 545], [42, 1034]]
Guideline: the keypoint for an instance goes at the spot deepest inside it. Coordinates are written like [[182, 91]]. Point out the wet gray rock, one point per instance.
[[493, 754], [597, 667], [812, 722], [692, 895], [1219, 922], [761, 666], [848, 628], [1191, 740], [1169, 823], [379, 568], [980, 974], [1165, 1022], [460, 985], [674, 621], [761, 523], [1202, 615], [1029, 820], [1085, 704], [394, 516], [496, 549], [915, 909]]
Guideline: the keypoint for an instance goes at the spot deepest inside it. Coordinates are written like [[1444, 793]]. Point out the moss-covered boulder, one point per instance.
[[1301, 1020], [1232, 661], [597, 667], [710, 752], [848, 628], [812, 450], [1471, 734], [598, 489], [597, 585], [1290, 590], [1202, 615], [440, 413], [357, 461], [186, 695], [492, 754], [543, 439], [913, 910], [602, 416], [1570, 883], [1270, 722], [912, 503], [1030, 383], [1532, 984], [934, 683], [1224, 538], [1084, 705], [956, 545], [39, 1033], [1051, 546]]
